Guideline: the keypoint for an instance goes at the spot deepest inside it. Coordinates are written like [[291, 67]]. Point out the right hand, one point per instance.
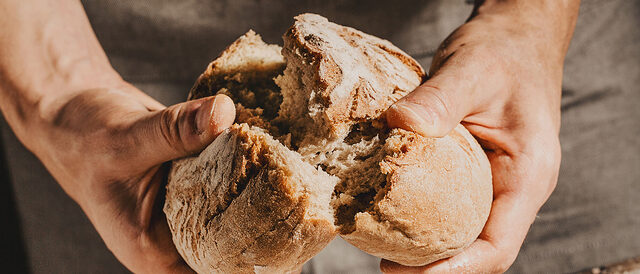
[[500, 75]]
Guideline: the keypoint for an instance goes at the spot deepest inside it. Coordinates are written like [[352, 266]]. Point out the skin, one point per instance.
[[103, 140], [108, 143], [500, 75]]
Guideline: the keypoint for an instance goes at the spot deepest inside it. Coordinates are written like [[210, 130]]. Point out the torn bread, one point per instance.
[[248, 203], [392, 193]]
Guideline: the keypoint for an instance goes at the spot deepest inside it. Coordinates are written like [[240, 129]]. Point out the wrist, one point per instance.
[[34, 101]]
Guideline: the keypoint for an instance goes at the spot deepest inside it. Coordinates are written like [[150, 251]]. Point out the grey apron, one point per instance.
[[161, 46]]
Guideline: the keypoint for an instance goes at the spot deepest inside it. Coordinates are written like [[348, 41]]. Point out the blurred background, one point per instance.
[[591, 220]]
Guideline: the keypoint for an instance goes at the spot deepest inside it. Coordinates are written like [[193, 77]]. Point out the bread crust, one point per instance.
[[237, 208], [249, 203], [435, 202], [355, 76], [245, 71], [438, 192]]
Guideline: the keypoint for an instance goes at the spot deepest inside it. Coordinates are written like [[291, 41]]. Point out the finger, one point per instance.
[[145, 244], [180, 130], [452, 265], [432, 109], [457, 89], [495, 249]]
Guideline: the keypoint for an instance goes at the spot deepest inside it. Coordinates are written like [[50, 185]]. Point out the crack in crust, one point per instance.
[[355, 76]]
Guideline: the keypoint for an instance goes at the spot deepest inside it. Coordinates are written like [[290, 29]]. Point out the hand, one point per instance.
[[500, 76], [108, 147], [103, 140]]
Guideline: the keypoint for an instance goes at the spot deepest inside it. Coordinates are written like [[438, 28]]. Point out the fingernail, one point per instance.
[[414, 117], [203, 117], [215, 115]]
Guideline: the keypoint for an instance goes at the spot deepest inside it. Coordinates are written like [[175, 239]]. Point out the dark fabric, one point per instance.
[[58, 237], [161, 46], [593, 216], [12, 254]]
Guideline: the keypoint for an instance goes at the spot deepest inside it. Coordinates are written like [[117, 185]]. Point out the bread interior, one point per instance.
[[269, 155], [283, 100], [354, 158]]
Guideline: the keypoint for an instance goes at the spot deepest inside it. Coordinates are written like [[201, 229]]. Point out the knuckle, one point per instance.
[[502, 267], [543, 156], [434, 101], [506, 259], [169, 128], [543, 151], [439, 106], [548, 156]]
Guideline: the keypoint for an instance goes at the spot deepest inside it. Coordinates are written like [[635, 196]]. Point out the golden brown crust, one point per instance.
[[236, 207], [436, 201], [438, 191], [249, 204], [356, 76], [244, 71]]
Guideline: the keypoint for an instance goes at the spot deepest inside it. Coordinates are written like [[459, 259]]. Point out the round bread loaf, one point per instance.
[[311, 157]]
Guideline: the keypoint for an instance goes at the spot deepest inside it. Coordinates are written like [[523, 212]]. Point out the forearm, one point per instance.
[[47, 51], [517, 36], [552, 21]]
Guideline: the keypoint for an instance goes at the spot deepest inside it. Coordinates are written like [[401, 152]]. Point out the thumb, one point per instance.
[[183, 129], [433, 109]]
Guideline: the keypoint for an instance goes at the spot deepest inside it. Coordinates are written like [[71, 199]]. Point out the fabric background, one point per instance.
[[161, 46]]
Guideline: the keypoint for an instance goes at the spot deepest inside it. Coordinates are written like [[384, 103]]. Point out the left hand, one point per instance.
[[105, 142], [108, 148]]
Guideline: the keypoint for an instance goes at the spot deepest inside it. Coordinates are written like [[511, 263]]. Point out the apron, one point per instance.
[[161, 46]]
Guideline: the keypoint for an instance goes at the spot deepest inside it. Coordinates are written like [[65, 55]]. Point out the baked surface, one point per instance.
[[403, 197], [345, 76], [435, 202], [311, 156], [247, 204]]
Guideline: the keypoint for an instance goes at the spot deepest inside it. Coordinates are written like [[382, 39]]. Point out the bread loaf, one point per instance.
[[310, 157]]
